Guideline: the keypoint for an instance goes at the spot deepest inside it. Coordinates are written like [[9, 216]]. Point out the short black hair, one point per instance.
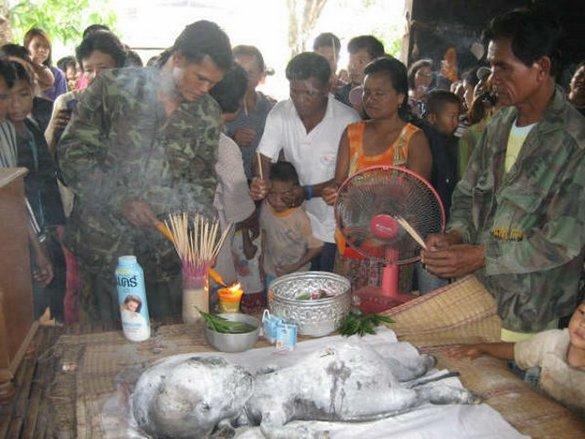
[[394, 69], [436, 100], [532, 34], [7, 72], [21, 73], [415, 67], [104, 41], [65, 62], [308, 65], [327, 39], [285, 172], [470, 76], [133, 59], [368, 43], [94, 28], [205, 38], [17, 51], [231, 89], [253, 51]]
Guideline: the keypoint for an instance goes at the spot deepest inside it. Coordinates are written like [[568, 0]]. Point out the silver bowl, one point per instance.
[[233, 342], [316, 318]]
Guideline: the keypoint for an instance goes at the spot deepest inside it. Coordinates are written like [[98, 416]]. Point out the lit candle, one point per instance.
[[229, 298]]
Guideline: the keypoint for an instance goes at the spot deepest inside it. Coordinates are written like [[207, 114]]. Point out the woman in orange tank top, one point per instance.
[[385, 139]]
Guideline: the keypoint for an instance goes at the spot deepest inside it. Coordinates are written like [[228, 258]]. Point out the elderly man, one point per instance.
[[307, 129], [142, 144], [517, 218]]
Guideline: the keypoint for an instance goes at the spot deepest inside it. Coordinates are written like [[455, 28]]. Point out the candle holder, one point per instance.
[[229, 298]]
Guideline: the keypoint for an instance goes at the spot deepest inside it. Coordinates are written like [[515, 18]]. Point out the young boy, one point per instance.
[[559, 353], [288, 244], [41, 192], [443, 109]]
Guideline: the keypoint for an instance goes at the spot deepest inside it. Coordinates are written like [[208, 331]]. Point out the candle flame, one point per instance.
[[234, 288]]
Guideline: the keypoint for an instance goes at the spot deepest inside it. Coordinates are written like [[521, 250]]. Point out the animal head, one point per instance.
[[190, 397]]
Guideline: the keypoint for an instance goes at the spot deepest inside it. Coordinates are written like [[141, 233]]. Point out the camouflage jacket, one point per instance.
[[120, 146], [530, 220]]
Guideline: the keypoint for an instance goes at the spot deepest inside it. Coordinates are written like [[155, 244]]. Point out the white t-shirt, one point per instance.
[[313, 155], [548, 350]]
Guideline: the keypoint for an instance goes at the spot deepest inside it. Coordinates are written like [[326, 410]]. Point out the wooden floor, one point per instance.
[[32, 413], [28, 413]]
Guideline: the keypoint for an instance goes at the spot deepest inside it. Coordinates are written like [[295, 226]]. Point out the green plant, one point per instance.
[[63, 20], [362, 324], [225, 326]]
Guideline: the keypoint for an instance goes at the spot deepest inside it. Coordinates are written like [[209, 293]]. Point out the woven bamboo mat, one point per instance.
[[526, 410], [461, 312]]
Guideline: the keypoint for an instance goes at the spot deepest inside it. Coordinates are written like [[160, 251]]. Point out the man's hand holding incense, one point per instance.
[[138, 213]]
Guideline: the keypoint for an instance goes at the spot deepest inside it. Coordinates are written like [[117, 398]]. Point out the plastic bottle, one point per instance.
[[132, 299]]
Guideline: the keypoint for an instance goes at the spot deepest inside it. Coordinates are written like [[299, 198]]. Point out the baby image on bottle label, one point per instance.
[[134, 323], [132, 299]]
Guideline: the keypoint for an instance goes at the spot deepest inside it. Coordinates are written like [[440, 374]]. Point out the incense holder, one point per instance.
[[195, 297]]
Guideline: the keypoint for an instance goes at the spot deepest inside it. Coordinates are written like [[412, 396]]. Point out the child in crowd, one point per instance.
[[560, 353], [41, 191], [288, 244], [442, 113]]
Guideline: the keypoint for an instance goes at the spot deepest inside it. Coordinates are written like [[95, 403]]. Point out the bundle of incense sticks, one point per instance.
[[197, 242]]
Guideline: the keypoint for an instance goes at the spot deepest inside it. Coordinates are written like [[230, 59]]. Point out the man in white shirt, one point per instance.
[[307, 128]]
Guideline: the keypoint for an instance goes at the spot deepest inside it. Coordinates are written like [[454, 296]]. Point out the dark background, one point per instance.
[[438, 24]]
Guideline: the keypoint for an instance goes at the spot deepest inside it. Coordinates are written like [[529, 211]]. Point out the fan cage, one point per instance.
[[382, 190]]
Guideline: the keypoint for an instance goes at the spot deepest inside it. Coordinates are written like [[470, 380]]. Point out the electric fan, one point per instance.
[[380, 213]]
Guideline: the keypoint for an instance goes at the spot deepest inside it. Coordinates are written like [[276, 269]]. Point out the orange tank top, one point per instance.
[[395, 155]]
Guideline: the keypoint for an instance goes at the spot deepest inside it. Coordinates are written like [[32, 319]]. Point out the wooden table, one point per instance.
[[44, 406]]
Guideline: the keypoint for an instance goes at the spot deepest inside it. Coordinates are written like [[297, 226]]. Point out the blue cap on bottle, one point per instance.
[[127, 260]]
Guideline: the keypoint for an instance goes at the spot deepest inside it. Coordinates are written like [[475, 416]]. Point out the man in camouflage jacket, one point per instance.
[[143, 144], [521, 232]]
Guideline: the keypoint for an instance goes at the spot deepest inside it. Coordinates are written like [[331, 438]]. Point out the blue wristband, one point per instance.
[[308, 192]]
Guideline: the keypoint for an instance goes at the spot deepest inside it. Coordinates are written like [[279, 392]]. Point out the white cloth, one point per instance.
[[425, 422], [313, 154], [232, 200], [548, 350]]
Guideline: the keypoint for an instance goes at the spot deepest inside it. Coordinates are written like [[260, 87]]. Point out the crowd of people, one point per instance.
[[113, 147]]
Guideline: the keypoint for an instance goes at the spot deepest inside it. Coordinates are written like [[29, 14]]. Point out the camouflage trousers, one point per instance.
[[99, 298]]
